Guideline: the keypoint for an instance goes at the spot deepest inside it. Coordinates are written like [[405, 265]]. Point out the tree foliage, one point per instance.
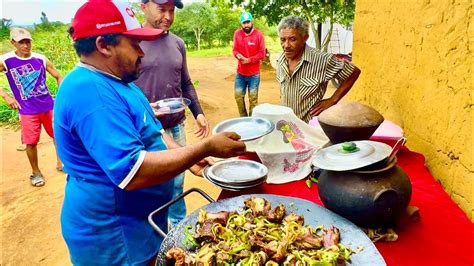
[[47, 25], [227, 21], [314, 11], [197, 20], [5, 28]]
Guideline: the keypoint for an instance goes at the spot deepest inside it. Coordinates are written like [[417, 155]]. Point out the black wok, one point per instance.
[[351, 235]]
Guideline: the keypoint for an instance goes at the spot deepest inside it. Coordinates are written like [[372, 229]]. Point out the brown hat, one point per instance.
[[18, 34]]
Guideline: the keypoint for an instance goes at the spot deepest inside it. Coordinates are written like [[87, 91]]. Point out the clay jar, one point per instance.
[[370, 197]]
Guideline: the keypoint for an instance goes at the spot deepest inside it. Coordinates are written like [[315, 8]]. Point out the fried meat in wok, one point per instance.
[[259, 235]]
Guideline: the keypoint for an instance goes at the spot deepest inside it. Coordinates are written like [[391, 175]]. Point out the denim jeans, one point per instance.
[[242, 83], [177, 211]]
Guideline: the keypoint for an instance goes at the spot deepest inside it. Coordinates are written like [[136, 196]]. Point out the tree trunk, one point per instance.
[[197, 34], [315, 34], [327, 39], [329, 35], [315, 30]]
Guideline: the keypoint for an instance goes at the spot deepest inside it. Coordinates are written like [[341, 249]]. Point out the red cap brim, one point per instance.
[[145, 34]]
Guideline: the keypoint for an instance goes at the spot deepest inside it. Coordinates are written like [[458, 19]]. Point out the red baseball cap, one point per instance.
[[99, 17]]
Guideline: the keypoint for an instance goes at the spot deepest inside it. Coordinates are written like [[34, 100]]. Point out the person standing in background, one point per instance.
[[249, 49], [26, 74], [164, 74]]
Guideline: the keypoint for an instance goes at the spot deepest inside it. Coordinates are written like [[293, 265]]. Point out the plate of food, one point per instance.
[[249, 128], [171, 105], [262, 229]]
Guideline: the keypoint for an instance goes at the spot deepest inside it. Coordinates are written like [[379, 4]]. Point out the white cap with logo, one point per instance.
[[18, 34]]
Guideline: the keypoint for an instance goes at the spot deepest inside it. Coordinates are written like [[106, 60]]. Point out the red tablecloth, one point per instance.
[[442, 236]]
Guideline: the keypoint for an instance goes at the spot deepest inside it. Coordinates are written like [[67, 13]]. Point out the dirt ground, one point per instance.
[[30, 228]]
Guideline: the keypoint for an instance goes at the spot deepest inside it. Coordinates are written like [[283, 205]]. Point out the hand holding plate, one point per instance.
[[197, 168], [225, 145]]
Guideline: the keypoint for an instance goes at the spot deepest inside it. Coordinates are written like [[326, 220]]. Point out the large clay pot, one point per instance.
[[338, 134], [348, 121], [371, 198]]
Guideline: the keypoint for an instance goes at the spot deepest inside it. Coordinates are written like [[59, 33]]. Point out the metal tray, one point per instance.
[[171, 105], [315, 215], [249, 128]]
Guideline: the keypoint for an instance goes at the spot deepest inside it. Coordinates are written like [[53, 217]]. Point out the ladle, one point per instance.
[[400, 142]]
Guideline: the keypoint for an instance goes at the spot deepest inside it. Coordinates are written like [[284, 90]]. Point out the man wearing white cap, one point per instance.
[[26, 74], [119, 160], [164, 74]]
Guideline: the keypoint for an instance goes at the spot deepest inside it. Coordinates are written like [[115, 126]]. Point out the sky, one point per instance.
[[27, 12]]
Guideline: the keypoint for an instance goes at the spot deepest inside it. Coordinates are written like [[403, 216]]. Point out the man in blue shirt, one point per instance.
[[120, 163]]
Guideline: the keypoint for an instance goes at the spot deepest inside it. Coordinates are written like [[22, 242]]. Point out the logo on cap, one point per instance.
[[104, 25]]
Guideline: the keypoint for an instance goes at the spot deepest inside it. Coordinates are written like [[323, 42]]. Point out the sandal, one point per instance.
[[37, 180]]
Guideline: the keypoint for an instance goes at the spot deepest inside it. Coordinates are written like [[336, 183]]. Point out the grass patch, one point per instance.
[[273, 45], [220, 51]]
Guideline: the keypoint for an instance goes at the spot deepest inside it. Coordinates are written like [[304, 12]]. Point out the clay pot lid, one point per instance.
[[345, 156], [351, 114]]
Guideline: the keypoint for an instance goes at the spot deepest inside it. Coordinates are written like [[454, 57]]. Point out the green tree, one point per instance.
[[227, 21], [5, 28], [198, 18], [138, 12], [315, 11], [45, 24]]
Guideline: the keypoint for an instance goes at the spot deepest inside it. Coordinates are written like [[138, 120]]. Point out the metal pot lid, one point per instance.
[[346, 156]]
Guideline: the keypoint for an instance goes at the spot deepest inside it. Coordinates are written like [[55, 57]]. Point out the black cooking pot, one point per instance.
[[370, 197], [351, 235]]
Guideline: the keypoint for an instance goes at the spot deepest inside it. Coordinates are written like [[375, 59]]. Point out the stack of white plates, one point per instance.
[[236, 174]]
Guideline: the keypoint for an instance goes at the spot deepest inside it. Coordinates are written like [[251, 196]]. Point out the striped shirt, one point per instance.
[[308, 83]]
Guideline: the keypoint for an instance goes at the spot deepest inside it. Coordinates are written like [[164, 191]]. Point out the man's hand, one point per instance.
[[202, 130], [242, 59], [321, 106], [12, 102], [197, 168], [245, 60], [225, 145]]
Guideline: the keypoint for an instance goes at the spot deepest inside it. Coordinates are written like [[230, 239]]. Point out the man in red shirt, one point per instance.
[[249, 49]]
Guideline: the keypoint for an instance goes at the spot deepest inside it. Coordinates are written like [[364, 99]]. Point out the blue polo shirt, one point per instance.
[[103, 129]]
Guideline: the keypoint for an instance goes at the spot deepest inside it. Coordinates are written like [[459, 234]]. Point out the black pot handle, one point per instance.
[[387, 196], [180, 196]]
